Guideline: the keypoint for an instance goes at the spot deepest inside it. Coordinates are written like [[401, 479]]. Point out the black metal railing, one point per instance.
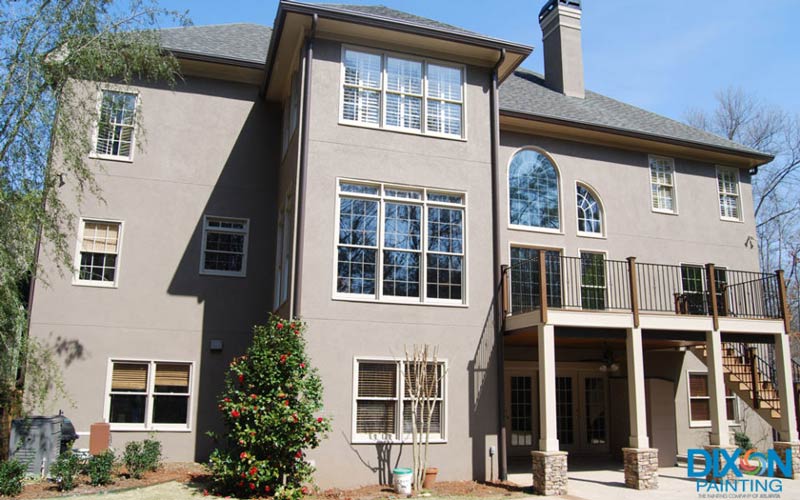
[[592, 283], [753, 364]]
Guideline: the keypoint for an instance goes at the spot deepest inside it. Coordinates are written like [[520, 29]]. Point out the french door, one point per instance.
[[522, 417]]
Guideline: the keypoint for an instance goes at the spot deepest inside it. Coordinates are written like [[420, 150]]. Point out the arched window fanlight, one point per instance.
[[590, 213], [533, 191]]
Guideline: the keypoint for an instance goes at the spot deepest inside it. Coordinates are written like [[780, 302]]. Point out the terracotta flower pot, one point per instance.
[[430, 477]]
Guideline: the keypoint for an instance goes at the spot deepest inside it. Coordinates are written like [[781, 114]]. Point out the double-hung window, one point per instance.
[[700, 401], [99, 246], [149, 395], [115, 131], [224, 250], [593, 280], [400, 244], [525, 278], [402, 93], [728, 190], [662, 184], [383, 400]]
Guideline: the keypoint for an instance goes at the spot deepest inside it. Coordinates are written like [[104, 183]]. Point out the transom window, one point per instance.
[[590, 216], [98, 256], [728, 190], [533, 191], [114, 137], [382, 414], [662, 184], [400, 243], [700, 401], [224, 250], [394, 92], [149, 395]]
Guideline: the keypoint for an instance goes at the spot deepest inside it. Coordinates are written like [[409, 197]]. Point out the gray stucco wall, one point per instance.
[[206, 152]]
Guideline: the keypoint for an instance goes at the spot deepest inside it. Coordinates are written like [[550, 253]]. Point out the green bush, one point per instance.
[[65, 470], [100, 468], [743, 441], [11, 474], [271, 407], [134, 459], [151, 449]]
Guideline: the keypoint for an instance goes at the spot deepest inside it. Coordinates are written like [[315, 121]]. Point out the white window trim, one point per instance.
[[76, 263], [148, 424], [361, 438], [283, 252], [96, 124], [383, 91], [720, 168], [533, 229], [531, 246], [706, 423], [379, 297], [604, 253], [674, 210], [246, 231], [602, 234]]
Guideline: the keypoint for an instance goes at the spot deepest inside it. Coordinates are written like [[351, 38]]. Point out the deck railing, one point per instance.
[[593, 283]]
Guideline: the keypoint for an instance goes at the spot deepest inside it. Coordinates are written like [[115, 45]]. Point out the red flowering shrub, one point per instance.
[[270, 406]]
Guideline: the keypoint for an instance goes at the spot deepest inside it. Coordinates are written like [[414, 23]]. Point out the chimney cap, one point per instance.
[[551, 5]]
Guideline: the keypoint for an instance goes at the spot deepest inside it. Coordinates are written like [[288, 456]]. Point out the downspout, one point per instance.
[[502, 462], [300, 181]]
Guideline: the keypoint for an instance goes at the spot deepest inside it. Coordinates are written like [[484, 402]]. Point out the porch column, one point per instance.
[[640, 461], [720, 434], [549, 464], [788, 423]]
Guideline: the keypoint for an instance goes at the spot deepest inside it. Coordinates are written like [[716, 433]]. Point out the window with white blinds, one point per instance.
[[115, 131], [381, 414], [728, 190], [662, 184], [410, 94], [149, 395], [97, 259]]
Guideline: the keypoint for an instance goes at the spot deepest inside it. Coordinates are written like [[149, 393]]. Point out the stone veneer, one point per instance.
[[641, 468], [549, 472], [780, 448], [729, 475]]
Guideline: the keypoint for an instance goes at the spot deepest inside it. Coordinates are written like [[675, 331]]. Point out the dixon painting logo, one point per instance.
[[737, 471]]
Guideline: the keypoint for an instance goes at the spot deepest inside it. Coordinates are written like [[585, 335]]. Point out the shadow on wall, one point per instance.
[[384, 464], [246, 189]]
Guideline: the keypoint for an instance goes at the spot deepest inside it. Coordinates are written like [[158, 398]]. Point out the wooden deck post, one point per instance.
[[634, 290], [504, 284], [753, 362], [711, 277], [543, 286], [784, 303]]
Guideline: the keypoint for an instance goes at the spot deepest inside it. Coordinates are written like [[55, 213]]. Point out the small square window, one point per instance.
[[97, 259], [224, 251]]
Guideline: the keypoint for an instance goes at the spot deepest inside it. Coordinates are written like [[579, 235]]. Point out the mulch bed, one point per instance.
[[183, 472], [440, 489]]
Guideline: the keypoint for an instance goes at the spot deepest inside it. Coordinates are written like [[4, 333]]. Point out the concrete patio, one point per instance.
[[591, 479]]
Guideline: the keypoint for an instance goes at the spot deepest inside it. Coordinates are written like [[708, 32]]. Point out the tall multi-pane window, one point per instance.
[[525, 278], [114, 137], [283, 257], [400, 243], [700, 401], [383, 399], [98, 256], [590, 216], [662, 184], [728, 190], [224, 250], [533, 191], [411, 94], [593, 280]]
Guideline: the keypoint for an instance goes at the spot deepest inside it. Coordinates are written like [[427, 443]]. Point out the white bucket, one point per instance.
[[402, 481]]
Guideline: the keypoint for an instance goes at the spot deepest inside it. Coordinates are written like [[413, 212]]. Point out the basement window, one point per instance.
[[700, 401]]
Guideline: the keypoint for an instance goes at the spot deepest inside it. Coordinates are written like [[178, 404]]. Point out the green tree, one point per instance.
[[271, 407], [54, 54]]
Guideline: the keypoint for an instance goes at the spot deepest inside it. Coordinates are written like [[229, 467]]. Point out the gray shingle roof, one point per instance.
[[396, 15], [525, 92], [240, 41]]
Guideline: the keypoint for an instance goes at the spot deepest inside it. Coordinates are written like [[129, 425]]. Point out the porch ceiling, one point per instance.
[[581, 338]]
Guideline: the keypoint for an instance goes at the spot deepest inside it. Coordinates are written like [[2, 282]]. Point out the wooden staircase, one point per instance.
[[749, 371]]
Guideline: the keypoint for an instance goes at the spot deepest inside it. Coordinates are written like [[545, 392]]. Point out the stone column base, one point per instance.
[[549, 472], [641, 468], [780, 448], [729, 476]]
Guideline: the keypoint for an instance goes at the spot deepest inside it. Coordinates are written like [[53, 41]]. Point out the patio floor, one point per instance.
[[602, 478]]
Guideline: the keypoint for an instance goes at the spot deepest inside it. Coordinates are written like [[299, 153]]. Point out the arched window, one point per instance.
[[533, 190], [590, 213]]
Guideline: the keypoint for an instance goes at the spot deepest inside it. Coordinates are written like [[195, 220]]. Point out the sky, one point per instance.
[[664, 56]]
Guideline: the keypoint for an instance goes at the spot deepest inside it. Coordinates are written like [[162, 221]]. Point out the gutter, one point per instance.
[[229, 61], [759, 158], [300, 184], [502, 464]]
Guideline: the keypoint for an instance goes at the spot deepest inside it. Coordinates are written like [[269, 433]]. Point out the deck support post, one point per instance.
[[720, 434], [783, 368]]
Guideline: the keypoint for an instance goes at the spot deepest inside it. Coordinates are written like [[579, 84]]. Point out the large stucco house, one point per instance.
[[586, 267]]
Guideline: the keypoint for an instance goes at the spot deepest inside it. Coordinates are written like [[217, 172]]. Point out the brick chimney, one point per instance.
[[561, 38]]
